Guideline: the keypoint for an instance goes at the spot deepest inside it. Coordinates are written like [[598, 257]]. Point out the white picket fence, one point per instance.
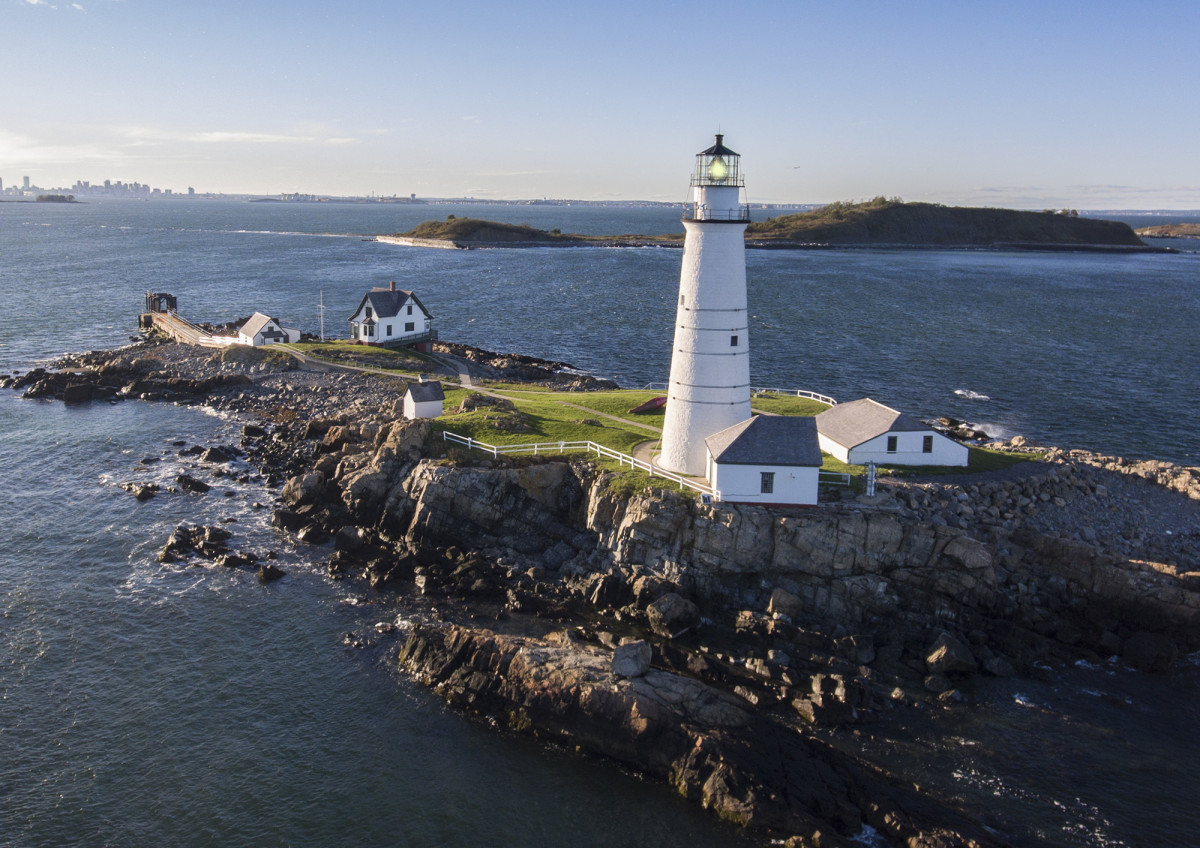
[[544, 448]]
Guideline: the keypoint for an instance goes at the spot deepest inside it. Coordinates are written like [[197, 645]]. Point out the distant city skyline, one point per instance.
[[1022, 104]]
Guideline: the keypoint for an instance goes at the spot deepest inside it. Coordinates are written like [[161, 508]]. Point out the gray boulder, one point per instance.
[[304, 489], [631, 659], [950, 656], [672, 614]]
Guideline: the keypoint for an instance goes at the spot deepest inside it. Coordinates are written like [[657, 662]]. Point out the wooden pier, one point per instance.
[[161, 315]]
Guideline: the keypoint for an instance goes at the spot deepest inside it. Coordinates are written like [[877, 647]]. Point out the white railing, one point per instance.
[[545, 448], [804, 393], [185, 331], [825, 399], [837, 478]]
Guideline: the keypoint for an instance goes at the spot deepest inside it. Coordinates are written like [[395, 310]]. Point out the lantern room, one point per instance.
[[717, 186]]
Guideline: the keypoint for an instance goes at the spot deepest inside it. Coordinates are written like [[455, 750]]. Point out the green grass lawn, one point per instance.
[[526, 388], [388, 359], [778, 404], [616, 403], [534, 419]]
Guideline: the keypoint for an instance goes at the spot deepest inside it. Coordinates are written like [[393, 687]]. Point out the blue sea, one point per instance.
[[148, 704]]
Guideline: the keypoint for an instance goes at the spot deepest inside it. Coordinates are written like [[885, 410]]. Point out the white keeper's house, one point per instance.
[[264, 330], [392, 317], [769, 460], [865, 430]]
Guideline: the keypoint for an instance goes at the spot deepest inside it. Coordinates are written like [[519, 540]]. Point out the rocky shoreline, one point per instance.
[[694, 643]]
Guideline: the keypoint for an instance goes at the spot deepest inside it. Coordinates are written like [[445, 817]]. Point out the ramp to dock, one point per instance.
[[182, 330]]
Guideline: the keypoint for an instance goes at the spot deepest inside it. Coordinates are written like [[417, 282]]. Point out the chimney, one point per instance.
[[393, 285]]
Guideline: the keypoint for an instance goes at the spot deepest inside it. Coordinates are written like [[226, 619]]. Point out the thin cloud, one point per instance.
[[26, 152], [533, 173], [154, 135]]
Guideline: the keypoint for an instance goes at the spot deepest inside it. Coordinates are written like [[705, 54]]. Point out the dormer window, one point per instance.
[[368, 313]]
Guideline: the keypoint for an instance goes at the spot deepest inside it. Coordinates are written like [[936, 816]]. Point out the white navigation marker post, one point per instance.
[[709, 388]]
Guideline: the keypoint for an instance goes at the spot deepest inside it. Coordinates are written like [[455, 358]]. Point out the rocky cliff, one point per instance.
[[749, 624]]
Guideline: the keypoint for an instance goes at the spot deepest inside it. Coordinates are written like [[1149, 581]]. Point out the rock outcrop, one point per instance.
[[708, 744]]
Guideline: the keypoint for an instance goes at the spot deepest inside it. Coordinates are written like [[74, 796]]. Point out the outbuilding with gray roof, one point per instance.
[[864, 430], [771, 460]]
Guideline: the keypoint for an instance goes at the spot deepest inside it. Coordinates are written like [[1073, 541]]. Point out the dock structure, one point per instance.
[[161, 315]]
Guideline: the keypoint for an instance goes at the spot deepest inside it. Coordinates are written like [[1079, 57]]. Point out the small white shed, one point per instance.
[[770, 460], [263, 330], [423, 400], [865, 430]]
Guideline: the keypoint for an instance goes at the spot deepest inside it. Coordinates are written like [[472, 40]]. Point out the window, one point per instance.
[[768, 482], [891, 444], [389, 328], [370, 328], [410, 309], [354, 331], [409, 327], [368, 313], [682, 299], [733, 341], [927, 444]]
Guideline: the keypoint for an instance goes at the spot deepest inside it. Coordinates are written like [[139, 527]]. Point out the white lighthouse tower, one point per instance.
[[709, 388]]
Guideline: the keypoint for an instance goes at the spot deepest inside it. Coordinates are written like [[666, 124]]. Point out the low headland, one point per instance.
[[880, 222], [733, 651], [1170, 231]]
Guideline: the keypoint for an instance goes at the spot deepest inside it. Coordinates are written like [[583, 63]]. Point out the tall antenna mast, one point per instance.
[[321, 310]]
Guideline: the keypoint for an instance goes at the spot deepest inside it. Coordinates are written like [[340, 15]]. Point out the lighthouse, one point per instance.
[[709, 388]]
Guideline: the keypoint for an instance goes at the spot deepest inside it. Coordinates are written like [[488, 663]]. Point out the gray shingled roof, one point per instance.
[[422, 392], [850, 424], [767, 440], [257, 322], [386, 303]]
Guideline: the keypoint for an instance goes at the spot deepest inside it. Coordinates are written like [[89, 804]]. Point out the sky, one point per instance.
[[1029, 105]]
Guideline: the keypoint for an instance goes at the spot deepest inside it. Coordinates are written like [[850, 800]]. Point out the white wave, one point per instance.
[[970, 395], [994, 431]]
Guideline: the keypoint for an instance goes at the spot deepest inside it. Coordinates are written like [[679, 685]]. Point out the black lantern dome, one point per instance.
[[718, 166]]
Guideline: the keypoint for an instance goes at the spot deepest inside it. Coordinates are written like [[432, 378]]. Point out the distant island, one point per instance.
[[881, 222], [474, 232], [1170, 231], [55, 198]]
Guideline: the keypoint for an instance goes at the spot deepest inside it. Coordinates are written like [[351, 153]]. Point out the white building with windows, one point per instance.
[[391, 316], [264, 330], [769, 460], [865, 430]]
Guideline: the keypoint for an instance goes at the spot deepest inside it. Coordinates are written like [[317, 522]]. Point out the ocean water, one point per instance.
[[143, 704]]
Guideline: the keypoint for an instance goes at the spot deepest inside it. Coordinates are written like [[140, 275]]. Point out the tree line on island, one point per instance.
[[880, 221]]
